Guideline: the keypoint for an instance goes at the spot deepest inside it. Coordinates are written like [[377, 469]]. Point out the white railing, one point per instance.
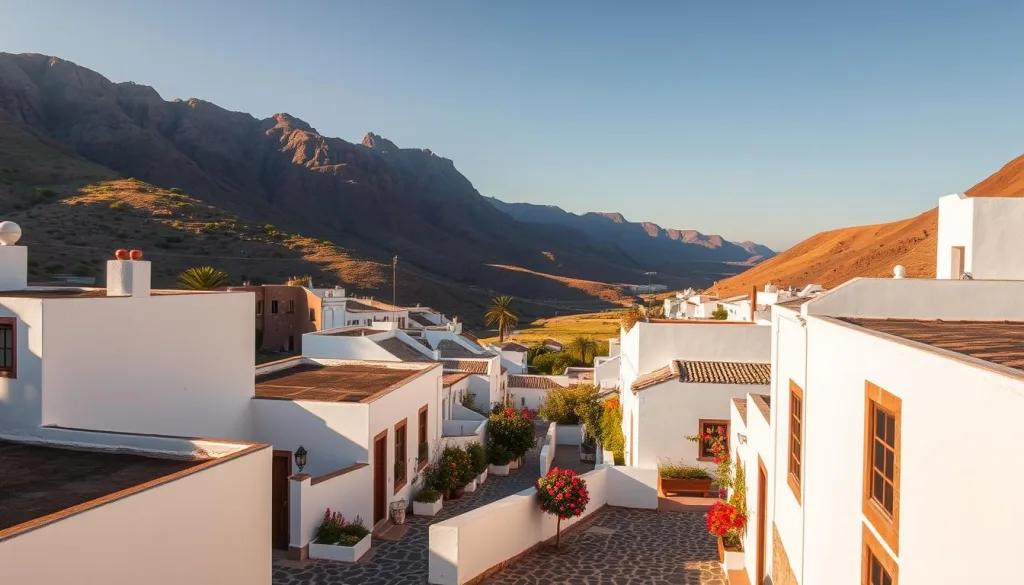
[[470, 545]]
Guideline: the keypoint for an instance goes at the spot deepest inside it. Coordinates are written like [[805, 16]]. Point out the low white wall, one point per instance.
[[211, 526], [462, 413], [463, 547], [547, 452], [350, 493], [569, 435]]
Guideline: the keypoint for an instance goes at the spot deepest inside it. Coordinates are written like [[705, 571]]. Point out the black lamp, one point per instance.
[[300, 457]]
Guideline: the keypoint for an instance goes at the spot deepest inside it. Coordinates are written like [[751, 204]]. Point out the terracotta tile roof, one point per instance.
[[423, 342], [553, 342], [402, 350], [533, 381], [998, 342], [471, 366], [513, 346], [724, 372], [419, 318], [452, 378], [451, 349], [354, 382], [658, 376], [763, 402], [741, 407], [470, 336], [504, 370]]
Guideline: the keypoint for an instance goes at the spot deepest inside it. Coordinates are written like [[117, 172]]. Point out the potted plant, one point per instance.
[[678, 477], [563, 494], [513, 431], [498, 457], [427, 502], [454, 462], [340, 540], [478, 458], [728, 523]]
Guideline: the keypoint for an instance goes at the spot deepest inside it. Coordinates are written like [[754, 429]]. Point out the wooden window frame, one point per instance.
[[888, 527], [700, 444], [259, 308], [401, 429], [11, 372], [289, 307], [423, 419], [273, 307], [872, 547], [794, 478]]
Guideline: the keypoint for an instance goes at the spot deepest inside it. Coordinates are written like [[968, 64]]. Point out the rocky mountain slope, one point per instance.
[[833, 257], [644, 242]]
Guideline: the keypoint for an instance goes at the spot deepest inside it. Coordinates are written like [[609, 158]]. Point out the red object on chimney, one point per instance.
[[121, 254], [136, 254]]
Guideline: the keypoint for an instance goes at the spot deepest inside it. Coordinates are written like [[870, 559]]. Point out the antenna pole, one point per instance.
[[394, 289]]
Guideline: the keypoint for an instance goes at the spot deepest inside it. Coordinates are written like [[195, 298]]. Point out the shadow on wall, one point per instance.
[[21, 398], [286, 425]]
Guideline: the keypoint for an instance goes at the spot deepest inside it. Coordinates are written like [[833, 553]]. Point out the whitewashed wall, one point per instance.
[[918, 298], [672, 410], [760, 443], [21, 398], [212, 526], [568, 435], [465, 546], [350, 493], [516, 361], [940, 397], [170, 364], [342, 347], [335, 434], [606, 370], [986, 227], [531, 398]]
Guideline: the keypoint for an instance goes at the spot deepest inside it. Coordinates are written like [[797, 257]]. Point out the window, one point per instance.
[[259, 307], [877, 567], [714, 428], [312, 315], [796, 438], [8, 348], [524, 401], [401, 455], [290, 307], [423, 453], [881, 505], [401, 322], [273, 307]]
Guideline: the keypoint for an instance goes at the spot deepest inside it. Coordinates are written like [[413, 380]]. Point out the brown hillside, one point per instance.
[[831, 258]]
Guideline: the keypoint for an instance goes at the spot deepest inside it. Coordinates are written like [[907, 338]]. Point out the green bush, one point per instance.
[[477, 456], [513, 430], [334, 529], [720, 314], [498, 455], [612, 438], [555, 363], [427, 495], [674, 470], [566, 406]]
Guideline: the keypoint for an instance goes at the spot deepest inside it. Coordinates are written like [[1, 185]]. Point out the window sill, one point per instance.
[[399, 486], [706, 459]]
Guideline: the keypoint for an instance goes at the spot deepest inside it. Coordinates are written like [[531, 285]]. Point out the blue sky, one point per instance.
[[756, 120]]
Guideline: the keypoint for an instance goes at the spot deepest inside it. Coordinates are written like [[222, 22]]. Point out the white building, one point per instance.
[[381, 341], [688, 305], [887, 397], [529, 390], [103, 393], [656, 421], [513, 356], [339, 310]]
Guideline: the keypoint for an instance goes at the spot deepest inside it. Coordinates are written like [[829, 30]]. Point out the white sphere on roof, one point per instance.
[[10, 233]]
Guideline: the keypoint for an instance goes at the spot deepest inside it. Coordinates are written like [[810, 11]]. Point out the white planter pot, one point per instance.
[[426, 508], [735, 561], [498, 470], [345, 554], [514, 464], [482, 478], [471, 487]]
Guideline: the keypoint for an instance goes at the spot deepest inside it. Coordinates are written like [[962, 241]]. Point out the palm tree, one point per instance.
[[500, 314], [582, 347], [202, 278]]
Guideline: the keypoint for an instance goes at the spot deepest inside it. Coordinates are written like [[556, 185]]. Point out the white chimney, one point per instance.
[[899, 272], [128, 278], [13, 259]]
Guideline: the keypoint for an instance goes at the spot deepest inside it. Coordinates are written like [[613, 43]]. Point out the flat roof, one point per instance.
[[352, 331], [794, 303], [40, 480], [346, 382], [998, 342], [88, 293]]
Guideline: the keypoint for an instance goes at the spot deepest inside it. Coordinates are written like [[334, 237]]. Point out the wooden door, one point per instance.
[[380, 477], [282, 468], [762, 521]]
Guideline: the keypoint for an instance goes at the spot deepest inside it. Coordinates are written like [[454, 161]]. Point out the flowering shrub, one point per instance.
[[512, 431], [455, 469], [563, 494], [478, 456], [336, 530], [720, 455], [726, 521]]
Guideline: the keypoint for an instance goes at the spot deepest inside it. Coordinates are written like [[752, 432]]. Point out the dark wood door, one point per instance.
[[279, 504], [380, 477], [762, 521]]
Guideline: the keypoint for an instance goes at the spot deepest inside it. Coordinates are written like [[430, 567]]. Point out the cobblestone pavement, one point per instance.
[[405, 561], [621, 546]]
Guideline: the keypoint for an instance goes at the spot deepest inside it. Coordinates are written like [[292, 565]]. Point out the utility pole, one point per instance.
[[394, 289], [650, 293]]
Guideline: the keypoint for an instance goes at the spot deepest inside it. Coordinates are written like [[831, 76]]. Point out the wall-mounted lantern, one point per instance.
[[300, 457]]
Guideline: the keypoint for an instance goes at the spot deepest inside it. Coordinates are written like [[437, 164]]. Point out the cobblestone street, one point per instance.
[[619, 546]]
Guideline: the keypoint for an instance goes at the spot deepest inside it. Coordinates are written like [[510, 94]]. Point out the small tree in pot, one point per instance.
[[563, 494]]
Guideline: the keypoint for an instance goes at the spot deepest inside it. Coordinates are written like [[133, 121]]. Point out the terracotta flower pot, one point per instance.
[[135, 254], [458, 493], [698, 486], [122, 254]]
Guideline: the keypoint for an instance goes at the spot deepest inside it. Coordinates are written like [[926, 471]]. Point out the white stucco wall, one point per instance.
[[531, 398], [316, 345], [209, 526], [986, 227], [606, 371], [919, 298], [350, 493], [169, 364], [516, 361], [335, 434], [760, 443], [672, 410], [21, 398], [940, 397]]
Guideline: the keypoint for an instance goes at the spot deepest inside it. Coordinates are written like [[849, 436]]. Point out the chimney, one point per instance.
[[753, 302], [13, 259], [128, 275]]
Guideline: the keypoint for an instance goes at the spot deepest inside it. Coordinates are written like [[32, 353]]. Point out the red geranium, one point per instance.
[[562, 493], [724, 518]]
